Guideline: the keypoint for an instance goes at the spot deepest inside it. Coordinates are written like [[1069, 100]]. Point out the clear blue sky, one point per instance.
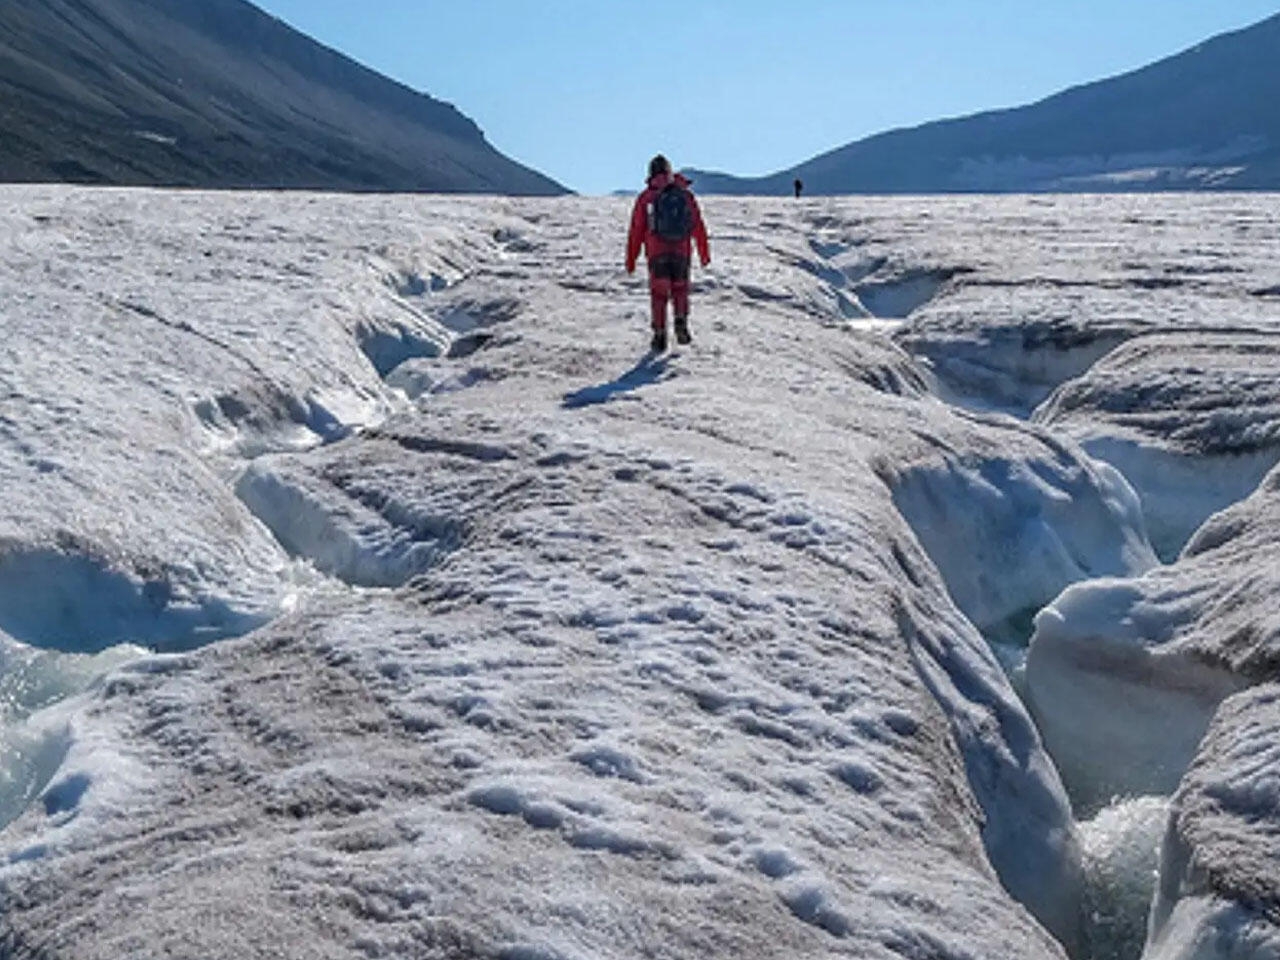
[[587, 90]]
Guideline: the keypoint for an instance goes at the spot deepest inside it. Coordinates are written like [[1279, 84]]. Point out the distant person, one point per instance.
[[666, 222], [799, 185]]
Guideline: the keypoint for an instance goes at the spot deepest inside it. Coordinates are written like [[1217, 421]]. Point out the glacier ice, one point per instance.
[[1124, 675], [524, 656], [1218, 895], [1192, 419]]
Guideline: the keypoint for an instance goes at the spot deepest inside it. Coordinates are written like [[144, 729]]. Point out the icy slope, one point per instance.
[[589, 751], [1191, 419], [151, 342], [1125, 675], [1219, 891], [217, 94], [1013, 518], [663, 655], [1055, 285], [434, 504]]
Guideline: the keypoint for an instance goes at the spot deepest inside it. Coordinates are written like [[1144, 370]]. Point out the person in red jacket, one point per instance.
[[666, 222]]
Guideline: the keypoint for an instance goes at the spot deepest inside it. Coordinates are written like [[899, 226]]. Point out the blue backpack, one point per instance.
[[672, 218]]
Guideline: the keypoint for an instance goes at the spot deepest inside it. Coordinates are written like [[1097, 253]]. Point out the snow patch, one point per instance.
[[418, 379], [506, 800], [530, 951], [408, 282], [584, 825], [858, 777], [64, 796]]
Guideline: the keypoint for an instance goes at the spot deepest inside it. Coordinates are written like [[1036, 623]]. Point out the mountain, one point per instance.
[[217, 93], [1203, 119]]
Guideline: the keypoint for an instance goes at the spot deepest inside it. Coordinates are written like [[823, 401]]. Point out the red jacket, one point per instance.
[[654, 245]]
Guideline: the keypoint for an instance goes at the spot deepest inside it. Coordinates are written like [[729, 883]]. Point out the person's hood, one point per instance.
[[664, 179]]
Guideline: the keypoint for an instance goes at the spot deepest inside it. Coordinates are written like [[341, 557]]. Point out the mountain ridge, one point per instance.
[[1195, 120], [221, 94]]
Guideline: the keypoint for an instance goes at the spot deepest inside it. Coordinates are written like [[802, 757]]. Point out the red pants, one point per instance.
[[668, 280]]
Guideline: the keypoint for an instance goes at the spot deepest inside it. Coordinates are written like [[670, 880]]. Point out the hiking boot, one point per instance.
[[682, 331], [659, 344]]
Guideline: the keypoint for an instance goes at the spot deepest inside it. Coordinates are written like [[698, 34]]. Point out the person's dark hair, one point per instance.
[[659, 165]]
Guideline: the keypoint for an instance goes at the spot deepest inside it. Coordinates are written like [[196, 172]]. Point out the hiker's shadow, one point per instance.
[[651, 368]]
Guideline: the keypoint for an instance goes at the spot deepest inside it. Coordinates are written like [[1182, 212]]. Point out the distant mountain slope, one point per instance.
[[216, 93], [1203, 119]]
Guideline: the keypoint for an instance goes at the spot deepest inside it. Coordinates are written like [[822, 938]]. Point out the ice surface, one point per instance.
[[1191, 419], [1010, 526], [654, 661], [151, 342], [1124, 675], [566, 651], [1219, 891], [1054, 285]]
